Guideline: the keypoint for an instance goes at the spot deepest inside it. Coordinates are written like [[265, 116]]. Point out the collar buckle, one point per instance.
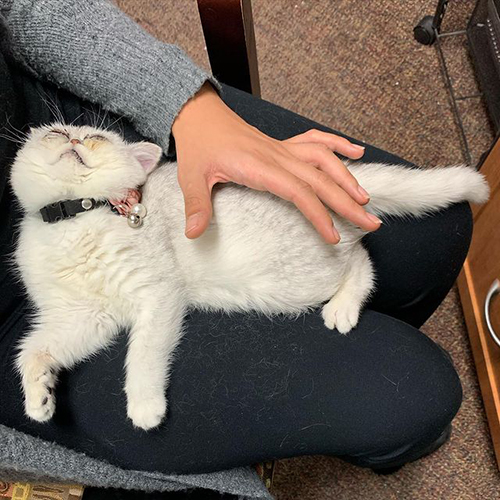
[[55, 212]]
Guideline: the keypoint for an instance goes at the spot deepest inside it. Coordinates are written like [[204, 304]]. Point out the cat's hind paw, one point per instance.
[[147, 412], [40, 401], [341, 314]]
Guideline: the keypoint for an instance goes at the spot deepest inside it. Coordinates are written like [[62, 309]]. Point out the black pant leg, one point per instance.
[[246, 388]]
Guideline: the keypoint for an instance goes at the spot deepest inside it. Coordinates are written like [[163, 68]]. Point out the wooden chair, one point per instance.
[[230, 39]]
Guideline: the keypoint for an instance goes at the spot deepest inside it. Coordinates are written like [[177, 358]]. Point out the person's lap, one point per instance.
[[247, 388], [408, 254]]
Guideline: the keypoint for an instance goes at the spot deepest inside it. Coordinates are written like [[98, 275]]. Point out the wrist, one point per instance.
[[198, 110]]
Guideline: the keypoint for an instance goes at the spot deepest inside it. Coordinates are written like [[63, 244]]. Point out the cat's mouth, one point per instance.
[[76, 156]]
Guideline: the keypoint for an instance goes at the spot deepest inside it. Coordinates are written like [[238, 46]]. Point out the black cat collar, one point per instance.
[[62, 210], [129, 207]]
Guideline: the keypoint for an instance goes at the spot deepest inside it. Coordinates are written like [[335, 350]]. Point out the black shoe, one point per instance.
[[442, 439], [387, 470]]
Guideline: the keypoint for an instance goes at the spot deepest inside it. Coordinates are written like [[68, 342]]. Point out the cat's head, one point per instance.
[[60, 162]]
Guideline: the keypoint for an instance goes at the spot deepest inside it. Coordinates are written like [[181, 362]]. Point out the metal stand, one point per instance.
[[428, 32]]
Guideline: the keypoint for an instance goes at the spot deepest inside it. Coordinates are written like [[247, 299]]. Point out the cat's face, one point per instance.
[[60, 162]]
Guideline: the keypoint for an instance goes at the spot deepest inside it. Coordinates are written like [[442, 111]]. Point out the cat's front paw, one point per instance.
[[147, 412], [40, 401], [341, 314]]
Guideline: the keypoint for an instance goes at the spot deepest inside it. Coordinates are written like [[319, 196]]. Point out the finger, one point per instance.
[[197, 202], [332, 141], [322, 156], [333, 195], [282, 183]]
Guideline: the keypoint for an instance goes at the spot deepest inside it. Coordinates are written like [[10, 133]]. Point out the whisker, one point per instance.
[[95, 117], [19, 131], [103, 119], [59, 114], [16, 140], [78, 117], [13, 134], [113, 123], [94, 122], [52, 106]]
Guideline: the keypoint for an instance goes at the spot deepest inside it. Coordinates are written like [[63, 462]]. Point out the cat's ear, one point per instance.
[[147, 154]]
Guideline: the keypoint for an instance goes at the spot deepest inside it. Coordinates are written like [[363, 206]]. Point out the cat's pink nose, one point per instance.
[[75, 141]]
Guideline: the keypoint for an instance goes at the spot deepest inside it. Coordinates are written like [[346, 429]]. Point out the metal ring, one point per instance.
[[494, 289]]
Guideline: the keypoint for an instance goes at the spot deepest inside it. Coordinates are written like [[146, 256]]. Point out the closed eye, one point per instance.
[[57, 132], [96, 137]]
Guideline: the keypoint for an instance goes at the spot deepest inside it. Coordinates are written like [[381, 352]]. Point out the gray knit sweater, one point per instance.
[[92, 49]]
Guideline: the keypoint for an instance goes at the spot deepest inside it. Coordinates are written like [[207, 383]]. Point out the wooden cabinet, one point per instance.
[[480, 271]]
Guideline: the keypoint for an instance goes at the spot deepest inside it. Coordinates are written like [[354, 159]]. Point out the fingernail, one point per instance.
[[193, 222], [374, 218], [363, 192], [357, 146], [335, 233]]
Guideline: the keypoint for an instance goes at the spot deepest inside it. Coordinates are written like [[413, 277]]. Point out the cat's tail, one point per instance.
[[398, 190]]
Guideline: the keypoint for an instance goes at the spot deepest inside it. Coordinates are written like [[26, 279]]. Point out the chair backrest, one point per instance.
[[230, 40]]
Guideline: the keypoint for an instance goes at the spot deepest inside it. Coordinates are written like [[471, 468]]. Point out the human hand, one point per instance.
[[215, 145]]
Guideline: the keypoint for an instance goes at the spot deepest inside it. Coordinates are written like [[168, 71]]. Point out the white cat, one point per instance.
[[91, 275]]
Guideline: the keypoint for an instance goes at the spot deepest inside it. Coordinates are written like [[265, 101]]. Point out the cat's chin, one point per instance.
[[72, 154]]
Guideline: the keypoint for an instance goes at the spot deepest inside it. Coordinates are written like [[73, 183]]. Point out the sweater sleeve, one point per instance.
[[94, 50]]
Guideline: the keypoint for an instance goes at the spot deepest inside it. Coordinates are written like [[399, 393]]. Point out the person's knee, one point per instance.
[[435, 395], [428, 405], [443, 393]]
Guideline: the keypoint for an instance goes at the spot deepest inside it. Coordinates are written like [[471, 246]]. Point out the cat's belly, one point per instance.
[[261, 295], [259, 252], [270, 275]]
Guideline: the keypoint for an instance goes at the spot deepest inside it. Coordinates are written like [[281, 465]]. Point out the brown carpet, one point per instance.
[[353, 65]]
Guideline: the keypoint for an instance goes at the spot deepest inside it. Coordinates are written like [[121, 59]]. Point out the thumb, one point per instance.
[[197, 202]]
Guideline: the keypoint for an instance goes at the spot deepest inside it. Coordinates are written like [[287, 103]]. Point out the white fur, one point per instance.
[[92, 275]]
